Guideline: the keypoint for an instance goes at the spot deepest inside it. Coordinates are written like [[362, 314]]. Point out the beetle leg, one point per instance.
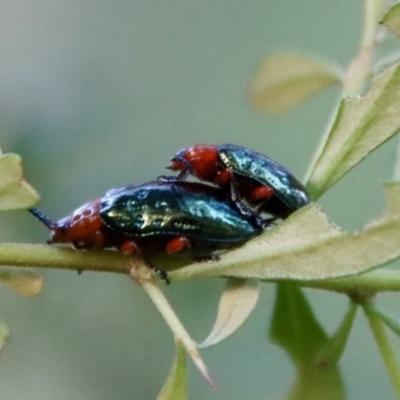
[[224, 176], [209, 258], [234, 192], [76, 244], [96, 241], [181, 177], [167, 178], [99, 240], [267, 222], [244, 208], [232, 183], [178, 244], [183, 174], [161, 273], [259, 207], [129, 247], [261, 193]]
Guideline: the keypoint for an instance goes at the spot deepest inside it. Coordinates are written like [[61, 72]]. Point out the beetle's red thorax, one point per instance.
[[204, 161]]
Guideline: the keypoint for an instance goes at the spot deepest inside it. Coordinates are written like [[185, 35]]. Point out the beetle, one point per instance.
[[154, 216], [246, 174], [181, 215]]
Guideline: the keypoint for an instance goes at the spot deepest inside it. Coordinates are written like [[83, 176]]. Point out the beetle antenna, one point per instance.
[[41, 217]]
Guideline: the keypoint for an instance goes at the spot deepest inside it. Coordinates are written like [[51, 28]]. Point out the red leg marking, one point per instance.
[[129, 247], [261, 193], [177, 244], [224, 177], [99, 240]]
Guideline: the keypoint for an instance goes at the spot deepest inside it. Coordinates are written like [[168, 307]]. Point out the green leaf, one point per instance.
[[284, 80], [23, 280], [175, 387], [237, 302], [295, 328], [4, 333], [15, 193], [392, 19], [306, 246], [361, 125]]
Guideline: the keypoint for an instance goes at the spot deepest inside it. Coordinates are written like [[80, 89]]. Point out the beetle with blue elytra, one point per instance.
[[158, 216]]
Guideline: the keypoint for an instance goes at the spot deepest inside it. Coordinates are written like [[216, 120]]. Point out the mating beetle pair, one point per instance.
[[173, 215]]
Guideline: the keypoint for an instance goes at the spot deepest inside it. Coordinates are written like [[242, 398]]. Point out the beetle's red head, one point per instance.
[[83, 228], [200, 160]]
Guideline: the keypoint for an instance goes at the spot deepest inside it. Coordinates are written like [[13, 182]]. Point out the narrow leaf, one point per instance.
[[392, 19], [175, 387], [306, 246], [295, 328], [237, 302], [4, 333], [15, 193], [23, 280], [284, 80], [361, 125]]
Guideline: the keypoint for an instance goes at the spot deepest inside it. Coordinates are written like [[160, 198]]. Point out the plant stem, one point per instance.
[[384, 345], [28, 255], [41, 256], [382, 280], [334, 348]]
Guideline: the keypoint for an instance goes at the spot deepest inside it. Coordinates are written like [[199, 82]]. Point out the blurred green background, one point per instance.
[[98, 94]]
